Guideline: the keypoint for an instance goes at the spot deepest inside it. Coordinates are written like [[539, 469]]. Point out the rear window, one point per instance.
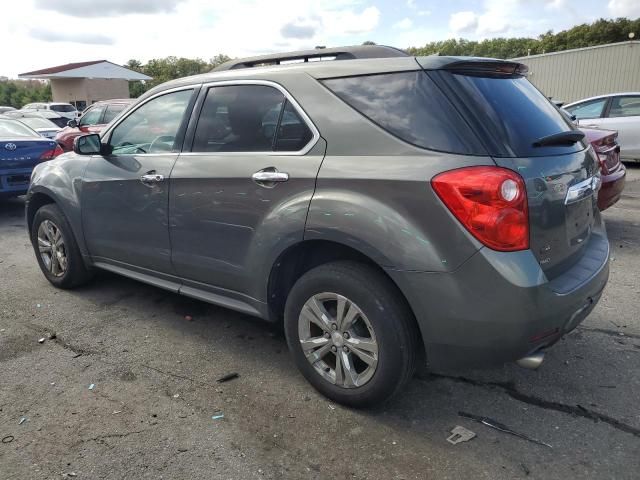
[[62, 108], [410, 106], [15, 129], [510, 114]]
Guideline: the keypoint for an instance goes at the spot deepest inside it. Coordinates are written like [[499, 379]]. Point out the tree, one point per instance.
[[17, 93], [599, 32], [164, 69]]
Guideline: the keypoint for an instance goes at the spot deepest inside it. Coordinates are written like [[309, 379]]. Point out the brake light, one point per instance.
[[51, 154], [490, 202]]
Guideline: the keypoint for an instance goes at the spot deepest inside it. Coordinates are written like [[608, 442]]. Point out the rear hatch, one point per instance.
[[523, 131]]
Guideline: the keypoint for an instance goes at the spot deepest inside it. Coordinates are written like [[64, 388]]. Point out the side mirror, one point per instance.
[[87, 144], [72, 123]]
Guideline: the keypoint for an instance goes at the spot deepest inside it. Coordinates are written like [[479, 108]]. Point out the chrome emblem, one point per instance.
[[10, 146]]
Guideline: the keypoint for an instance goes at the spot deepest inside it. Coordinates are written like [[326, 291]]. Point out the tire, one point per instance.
[[384, 320], [74, 273]]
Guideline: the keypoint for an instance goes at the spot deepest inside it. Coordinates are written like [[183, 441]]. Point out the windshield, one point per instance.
[[13, 128], [511, 115], [62, 108]]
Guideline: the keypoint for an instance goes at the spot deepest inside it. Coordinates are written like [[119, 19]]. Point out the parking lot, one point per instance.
[[156, 410]]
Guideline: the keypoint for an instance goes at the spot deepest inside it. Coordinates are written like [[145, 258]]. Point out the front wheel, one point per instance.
[[56, 249], [350, 333]]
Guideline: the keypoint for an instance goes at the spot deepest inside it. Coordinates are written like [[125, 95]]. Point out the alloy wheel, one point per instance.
[[338, 340], [52, 248]]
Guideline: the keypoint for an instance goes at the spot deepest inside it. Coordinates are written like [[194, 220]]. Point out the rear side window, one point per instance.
[[510, 114], [625, 106], [112, 112], [410, 106], [249, 118], [591, 109]]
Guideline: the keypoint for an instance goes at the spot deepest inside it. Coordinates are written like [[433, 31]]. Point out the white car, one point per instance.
[[65, 109], [616, 111]]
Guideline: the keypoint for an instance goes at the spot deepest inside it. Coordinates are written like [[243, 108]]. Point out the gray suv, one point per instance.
[[388, 210]]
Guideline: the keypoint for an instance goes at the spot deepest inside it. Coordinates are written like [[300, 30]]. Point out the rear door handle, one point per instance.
[[151, 178], [268, 176]]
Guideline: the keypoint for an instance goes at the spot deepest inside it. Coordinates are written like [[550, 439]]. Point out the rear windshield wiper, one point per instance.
[[563, 138]]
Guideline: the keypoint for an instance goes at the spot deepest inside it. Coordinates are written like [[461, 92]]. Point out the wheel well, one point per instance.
[[301, 258], [36, 201]]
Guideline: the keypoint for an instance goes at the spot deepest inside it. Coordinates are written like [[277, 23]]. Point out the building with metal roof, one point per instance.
[[84, 83], [572, 75]]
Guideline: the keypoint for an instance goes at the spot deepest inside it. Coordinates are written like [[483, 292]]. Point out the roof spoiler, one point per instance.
[[303, 56], [490, 68]]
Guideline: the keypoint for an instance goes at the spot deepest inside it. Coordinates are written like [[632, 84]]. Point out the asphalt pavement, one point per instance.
[[127, 389]]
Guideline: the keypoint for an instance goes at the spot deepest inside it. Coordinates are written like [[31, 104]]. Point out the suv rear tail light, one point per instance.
[[51, 154], [491, 203]]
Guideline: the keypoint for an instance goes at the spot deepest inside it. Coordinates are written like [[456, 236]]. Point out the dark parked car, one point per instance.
[[399, 212], [93, 120], [21, 149]]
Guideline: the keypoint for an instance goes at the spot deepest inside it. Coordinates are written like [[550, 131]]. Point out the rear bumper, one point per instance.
[[498, 307], [612, 186], [14, 182]]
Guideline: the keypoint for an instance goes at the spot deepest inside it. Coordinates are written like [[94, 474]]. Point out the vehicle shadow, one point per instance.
[[12, 211]]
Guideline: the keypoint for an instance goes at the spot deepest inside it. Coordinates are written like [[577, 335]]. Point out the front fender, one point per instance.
[[61, 181]]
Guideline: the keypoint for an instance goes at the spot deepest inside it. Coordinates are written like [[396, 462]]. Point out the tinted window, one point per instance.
[[625, 106], [410, 106], [62, 108], [511, 115], [92, 116], [239, 118], [592, 109], [293, 132], [153, 127], [112, 112]]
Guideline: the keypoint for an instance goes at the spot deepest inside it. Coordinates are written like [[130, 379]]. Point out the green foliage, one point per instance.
[[169, 68], [16, 93], [586, 35]]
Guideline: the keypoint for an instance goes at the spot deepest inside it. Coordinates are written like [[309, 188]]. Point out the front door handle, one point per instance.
[[151, 178], [269, 176]]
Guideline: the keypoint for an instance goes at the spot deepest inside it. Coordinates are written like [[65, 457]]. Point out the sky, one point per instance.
[[43, 33]]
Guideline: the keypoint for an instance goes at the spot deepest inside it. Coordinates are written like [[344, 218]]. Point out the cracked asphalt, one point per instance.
[[149, 415]]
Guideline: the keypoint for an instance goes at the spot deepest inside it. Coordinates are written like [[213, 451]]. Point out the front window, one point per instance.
[[92, 117], [113, 111], [591, 109], [153, 127]]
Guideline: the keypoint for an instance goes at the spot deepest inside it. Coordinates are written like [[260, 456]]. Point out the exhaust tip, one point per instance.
[[531, 362]]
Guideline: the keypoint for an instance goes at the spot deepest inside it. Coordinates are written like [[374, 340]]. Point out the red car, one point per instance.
[[93, 120], [613, 171]]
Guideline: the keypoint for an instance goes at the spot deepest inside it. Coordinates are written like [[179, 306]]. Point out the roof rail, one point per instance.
[[338, 53]]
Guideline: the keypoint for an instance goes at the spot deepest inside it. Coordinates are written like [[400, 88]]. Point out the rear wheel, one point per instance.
[[351, 334], [56, 249]]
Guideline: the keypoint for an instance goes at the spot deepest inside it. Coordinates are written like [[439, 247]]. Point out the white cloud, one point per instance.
[[411, 4], [403, 24], [463, 22], [624, 8]]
